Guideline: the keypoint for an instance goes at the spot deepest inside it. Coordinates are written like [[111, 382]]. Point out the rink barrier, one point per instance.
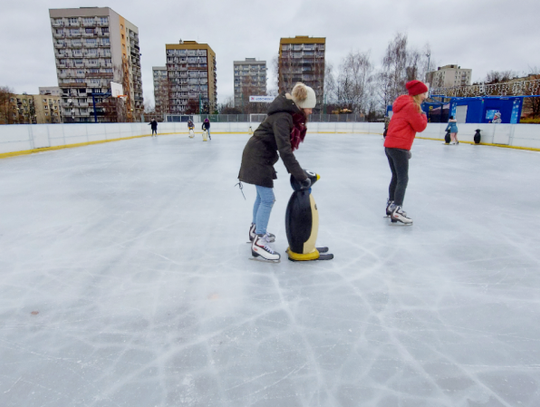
[[20, 139]]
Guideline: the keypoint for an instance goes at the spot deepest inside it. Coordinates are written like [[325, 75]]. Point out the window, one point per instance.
[[73, 21], [88, 20]]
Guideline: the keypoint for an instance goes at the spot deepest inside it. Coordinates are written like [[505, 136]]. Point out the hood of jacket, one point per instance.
[[283, 103], [401, 102]]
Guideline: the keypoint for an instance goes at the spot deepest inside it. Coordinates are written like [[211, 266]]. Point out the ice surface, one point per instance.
[[125, 279]]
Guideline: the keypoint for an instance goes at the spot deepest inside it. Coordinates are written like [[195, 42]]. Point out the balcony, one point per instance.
[[59, 45]]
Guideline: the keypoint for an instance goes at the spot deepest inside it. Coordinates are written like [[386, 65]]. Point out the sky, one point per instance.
[[481, 35]]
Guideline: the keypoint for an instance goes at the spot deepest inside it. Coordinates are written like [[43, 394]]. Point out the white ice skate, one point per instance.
[[399, 215], [270, 238], [389, 208], [261, 251]]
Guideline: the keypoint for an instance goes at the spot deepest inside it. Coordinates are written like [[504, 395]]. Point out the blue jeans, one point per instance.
[[262, 208]]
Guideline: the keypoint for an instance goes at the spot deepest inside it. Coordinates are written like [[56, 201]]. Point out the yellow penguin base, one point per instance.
[[314, 255]]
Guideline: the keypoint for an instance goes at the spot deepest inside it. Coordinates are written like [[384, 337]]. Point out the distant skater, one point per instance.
[[206, 126], [191, 128], [452, 128], [407, 120], [153, 126]]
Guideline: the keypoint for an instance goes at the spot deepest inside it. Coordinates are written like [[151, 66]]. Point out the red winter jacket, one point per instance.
[[405, 123]]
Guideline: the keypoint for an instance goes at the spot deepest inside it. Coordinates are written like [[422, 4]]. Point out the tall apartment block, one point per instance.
[[249, 80], [191, 72], [161, 89], [301, 59], [93, 47], [449, 76]]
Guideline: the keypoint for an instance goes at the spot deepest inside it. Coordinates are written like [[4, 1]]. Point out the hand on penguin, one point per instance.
[[305, 184]]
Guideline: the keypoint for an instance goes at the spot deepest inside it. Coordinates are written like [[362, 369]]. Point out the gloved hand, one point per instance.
[[305, 184]]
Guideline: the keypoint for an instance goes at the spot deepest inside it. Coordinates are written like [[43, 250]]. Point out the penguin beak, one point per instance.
[[318, 177]]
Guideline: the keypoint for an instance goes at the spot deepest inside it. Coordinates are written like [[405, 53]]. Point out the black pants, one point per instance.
[[399, 165]]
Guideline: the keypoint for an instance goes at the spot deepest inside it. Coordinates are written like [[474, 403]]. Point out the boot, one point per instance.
[[260, 247], [399, 215]]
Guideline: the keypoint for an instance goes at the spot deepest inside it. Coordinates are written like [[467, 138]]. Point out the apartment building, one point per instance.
[[50, 90], [47, 109], [302, 59], [93, 47], [161, 90], [448, 76], [33, 109], [22, 109], [192, 77], [249, 80]]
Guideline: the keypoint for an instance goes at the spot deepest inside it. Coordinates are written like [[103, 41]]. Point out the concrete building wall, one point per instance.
[[89, 54], [249, 80]]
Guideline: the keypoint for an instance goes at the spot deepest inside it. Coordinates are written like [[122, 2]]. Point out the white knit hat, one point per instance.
[[303, 96]]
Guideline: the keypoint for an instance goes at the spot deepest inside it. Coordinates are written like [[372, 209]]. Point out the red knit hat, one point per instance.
[[416, 88]]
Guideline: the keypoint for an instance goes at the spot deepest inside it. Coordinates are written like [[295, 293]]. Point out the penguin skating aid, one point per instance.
[[302, 224]]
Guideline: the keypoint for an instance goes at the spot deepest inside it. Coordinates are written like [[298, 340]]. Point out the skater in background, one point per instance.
[[153, 126], [407, 120], [282, 131], [206, 126], [386, 123], [191, 128], [452, 128]]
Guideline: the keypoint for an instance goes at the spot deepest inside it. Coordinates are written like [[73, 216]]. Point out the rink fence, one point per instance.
[[31, 138]]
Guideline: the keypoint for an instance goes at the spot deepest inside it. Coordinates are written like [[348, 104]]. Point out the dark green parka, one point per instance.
[[273, 135]]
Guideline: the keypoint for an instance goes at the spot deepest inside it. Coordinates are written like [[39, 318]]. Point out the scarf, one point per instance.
[[299, 130]]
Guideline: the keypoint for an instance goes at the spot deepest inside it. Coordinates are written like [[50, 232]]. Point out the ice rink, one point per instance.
[[125, 279]]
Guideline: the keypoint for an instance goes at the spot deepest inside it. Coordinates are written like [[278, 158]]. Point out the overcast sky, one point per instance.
[[482, 35]]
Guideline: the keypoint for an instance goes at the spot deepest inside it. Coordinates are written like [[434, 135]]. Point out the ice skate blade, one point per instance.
[[263, 260], [398, 223]]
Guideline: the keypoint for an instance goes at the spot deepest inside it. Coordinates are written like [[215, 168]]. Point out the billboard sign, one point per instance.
[[261, 99]]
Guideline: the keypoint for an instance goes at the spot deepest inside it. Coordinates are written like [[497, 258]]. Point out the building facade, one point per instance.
[[50, 90], [449, 76], [33, 109], [93, 47], [192, 78], [161, 90], [249, 80], [47, 109], [302, 59]]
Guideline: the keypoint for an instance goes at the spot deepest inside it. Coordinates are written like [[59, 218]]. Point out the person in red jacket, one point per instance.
[[407, 120]]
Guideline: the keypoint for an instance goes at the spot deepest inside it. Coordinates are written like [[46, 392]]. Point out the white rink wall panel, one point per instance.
[[28, 138]]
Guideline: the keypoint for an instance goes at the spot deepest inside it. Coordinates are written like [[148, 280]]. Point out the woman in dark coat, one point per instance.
[[282, 131]]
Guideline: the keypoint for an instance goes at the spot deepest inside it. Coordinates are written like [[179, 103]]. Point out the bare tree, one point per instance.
[[532, 104], [7, 109], [400, 65], [354, 80], [289, 72], [162, 95], [498, 76]]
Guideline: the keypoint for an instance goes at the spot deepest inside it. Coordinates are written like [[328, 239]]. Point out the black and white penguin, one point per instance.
[[302, 223]]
